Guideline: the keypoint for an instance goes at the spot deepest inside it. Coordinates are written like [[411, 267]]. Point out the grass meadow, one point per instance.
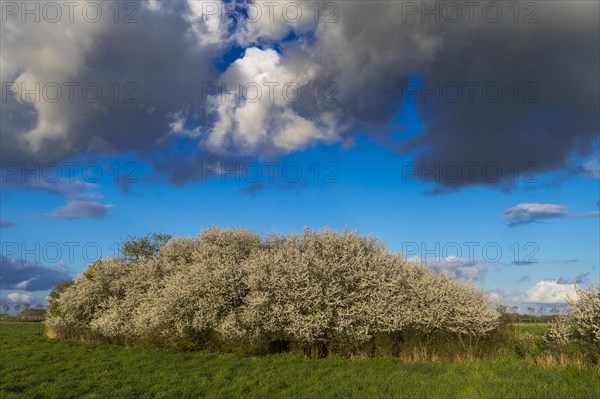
[[33, 366]]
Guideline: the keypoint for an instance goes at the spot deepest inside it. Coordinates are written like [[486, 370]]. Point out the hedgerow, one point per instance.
[[233, 290]]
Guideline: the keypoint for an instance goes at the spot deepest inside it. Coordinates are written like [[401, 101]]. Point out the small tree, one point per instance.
[[17, 308], [39, 308], [531, 311], [542, 310], [6, 308], [514, 310], [55, 294], [143, 248], [26, 308]]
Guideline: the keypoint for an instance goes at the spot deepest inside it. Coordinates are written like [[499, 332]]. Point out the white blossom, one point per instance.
[[311, 287]]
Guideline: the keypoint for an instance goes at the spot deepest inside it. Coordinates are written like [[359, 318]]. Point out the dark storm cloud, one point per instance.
[[146, 71], [543, 119], [550, 120]]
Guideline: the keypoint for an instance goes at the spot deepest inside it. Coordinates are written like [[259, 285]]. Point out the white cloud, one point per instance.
[[265, 120], [23, 284], [208, 21], [550, 291], [178, 126], [19, 297]]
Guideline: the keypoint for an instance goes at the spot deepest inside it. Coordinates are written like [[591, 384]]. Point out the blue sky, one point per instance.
[[361, 188], [354, 161]]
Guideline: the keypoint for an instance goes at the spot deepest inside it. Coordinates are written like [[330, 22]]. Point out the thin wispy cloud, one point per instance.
[[69, 188], [82, 197], [80, 210], [528, 213], [579, 279], [524, 279], [4, 223], [592, 168], [541, 262]]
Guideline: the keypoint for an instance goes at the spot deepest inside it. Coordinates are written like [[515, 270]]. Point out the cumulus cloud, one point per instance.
[[528, 213], [266, 121], [550, 291], [19, 297], [370, 51], [30, 276]]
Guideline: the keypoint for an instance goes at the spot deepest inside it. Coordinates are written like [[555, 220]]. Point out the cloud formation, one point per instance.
[[266, 123], [19, 297], [25, 275], [528, 213], [82, 197], [550, 291], [370, 51], [592, 167], [162, 63]]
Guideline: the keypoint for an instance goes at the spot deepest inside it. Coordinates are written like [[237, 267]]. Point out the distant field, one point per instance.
[[536, 329], [31, 366]]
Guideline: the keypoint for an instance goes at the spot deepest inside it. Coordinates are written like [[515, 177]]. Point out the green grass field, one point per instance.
[[32, 366]]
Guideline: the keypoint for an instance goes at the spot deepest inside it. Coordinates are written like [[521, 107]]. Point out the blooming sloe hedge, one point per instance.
[[234, 286]]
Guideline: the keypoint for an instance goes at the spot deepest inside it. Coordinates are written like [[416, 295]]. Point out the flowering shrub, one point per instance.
[[232, 286], [581, 321]]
